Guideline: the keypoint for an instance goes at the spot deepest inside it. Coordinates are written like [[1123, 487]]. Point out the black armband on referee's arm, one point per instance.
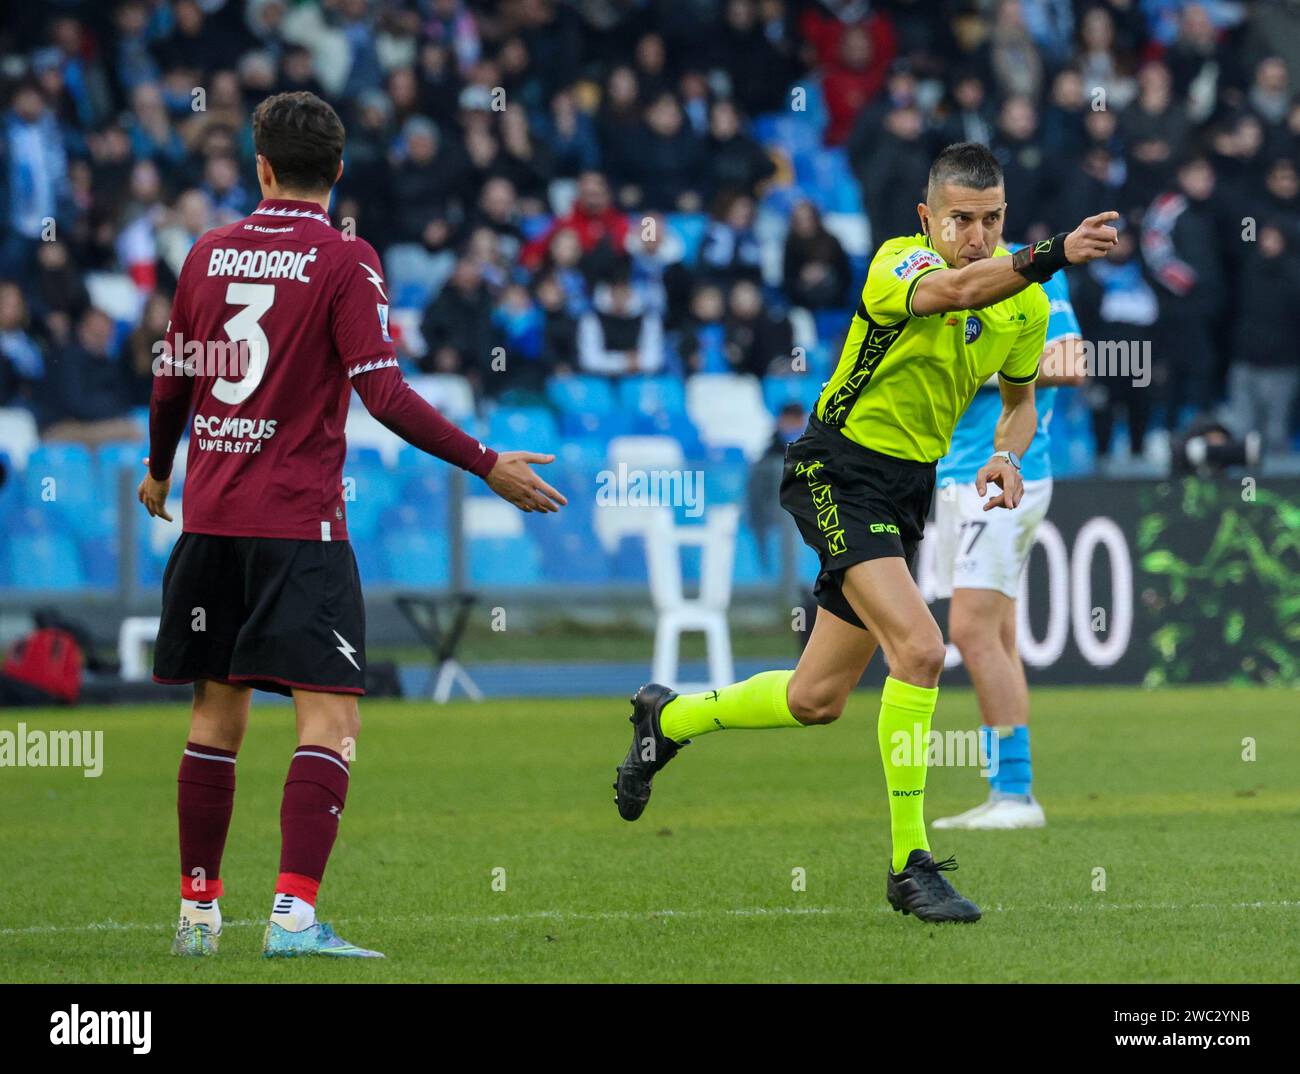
[[1038, 261]]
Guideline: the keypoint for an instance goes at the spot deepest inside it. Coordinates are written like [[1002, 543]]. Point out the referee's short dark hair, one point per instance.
[[302, 137], [967, 164]]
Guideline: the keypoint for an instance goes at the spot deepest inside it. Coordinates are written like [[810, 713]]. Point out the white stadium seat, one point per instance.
[[489, 516], [852, 230], [18, 435], [450, 393], [728, 410]]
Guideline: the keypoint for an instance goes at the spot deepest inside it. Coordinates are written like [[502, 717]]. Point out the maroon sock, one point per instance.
[[205, 798], [314, 793]]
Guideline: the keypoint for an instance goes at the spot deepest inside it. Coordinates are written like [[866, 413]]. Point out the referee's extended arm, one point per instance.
[[992, 279]]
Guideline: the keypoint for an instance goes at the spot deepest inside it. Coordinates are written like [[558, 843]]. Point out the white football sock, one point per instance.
[[292, 913], [205, 912]]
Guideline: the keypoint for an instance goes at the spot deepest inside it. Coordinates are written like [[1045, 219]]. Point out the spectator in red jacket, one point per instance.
[[851, 82], [855, 58], [593, 218]]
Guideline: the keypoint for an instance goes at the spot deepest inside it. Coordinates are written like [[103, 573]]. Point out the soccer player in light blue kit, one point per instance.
[[980, 556]]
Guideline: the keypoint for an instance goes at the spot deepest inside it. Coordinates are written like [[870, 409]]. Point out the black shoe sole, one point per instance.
[[934, 921], [631, 810]]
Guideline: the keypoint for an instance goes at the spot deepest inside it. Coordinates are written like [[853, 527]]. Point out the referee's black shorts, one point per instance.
[[853, 504], [268, 612]]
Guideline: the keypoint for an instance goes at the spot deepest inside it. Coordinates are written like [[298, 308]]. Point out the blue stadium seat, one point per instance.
[[802, 388], [62, 480], [427, 491], [690, 228], [369, 490], [417, 557], [119, 454], [573, 557], [826, 176], [49, 561], [781, 200], [32, 521], [412, 458], [593, 426], [358, 456], [52, 457], [583, 452], [791, 131], [97, 519], [858, 265], [371, 563], [528, 428], [671, 423], [723, 455], [504, 561], [11, 493], [628, 563], [99, 561], [151, 558], [815, 112], [750, 568], [580, 394], [821, 360], [832, 326], [725, 481], [578, 482], [652, 395]]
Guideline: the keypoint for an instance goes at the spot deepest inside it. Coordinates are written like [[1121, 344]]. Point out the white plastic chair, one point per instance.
[[707, 612]]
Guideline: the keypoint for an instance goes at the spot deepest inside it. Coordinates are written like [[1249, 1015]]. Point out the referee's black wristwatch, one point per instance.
[[1010, 456]]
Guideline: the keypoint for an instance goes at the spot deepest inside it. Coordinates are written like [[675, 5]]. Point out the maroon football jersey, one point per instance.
[[307, 309]]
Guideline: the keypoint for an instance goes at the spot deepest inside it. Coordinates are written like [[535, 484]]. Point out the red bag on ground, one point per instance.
[[48, 659]]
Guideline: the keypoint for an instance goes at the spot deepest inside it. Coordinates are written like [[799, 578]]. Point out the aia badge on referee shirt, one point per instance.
[[974, 326]]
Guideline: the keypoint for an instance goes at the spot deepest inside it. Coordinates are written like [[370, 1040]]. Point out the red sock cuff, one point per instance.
[[200, 890], [304, 887]]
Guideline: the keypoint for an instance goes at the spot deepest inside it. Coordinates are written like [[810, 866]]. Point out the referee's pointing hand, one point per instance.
[[514, 480], [1092, 239]]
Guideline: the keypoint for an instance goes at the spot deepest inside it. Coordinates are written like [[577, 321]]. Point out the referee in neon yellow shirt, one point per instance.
[[941, 312]]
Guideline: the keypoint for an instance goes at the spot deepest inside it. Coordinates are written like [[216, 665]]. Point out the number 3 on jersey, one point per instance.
[[244, 327]]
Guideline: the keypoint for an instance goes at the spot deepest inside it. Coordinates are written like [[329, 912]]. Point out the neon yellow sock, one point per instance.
[[756, 702], [903, 732]]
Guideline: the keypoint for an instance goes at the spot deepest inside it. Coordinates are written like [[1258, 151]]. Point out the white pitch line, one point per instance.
[[642, 915]]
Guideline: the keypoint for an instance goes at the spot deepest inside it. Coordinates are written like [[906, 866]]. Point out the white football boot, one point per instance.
[[999, 812]]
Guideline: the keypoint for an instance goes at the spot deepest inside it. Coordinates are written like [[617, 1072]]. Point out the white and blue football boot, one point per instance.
[[196, 941], [318, 939]]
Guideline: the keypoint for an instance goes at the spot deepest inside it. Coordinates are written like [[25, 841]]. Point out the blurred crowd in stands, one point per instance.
[[673, 187]]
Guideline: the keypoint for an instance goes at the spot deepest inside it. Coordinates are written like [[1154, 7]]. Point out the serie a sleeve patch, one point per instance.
[[915, 261]]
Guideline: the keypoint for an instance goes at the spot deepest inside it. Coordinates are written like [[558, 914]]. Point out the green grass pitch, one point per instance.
[[1198, 848]]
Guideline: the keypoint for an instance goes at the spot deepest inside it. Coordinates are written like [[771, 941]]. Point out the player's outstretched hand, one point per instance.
[[1000, 472], [513, 479], [153, 494], [1092, 239]]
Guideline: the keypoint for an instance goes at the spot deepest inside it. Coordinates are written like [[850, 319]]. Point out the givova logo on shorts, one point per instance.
[[828, 514]]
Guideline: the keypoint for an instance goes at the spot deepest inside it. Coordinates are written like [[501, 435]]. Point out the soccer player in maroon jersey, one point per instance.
[[262, 589]]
